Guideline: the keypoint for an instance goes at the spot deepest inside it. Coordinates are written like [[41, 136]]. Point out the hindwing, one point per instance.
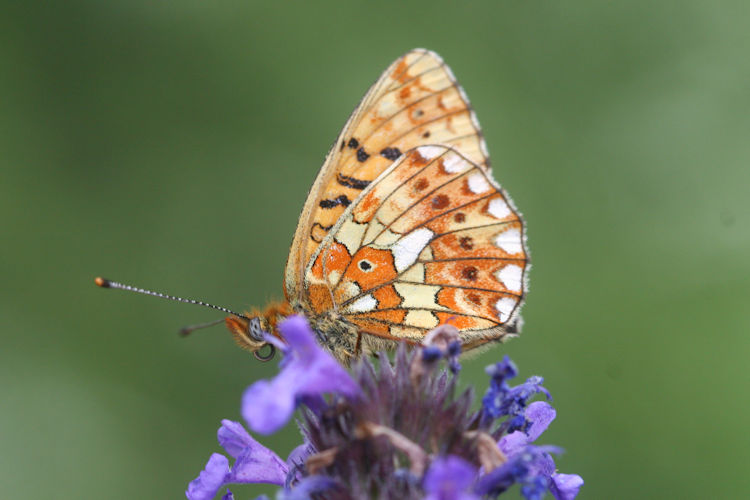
[[432, 240]]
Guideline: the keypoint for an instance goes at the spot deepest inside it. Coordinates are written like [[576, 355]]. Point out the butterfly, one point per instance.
[[404, 228]]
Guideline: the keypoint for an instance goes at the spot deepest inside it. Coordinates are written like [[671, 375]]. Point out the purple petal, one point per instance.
[[234, 438], [258, 464], [503, 370], [531, 466], [307, 371], [511, 444], [316, 370], [448, 478], [266, 407], [228, 496], [208, 482], [565, 486], [540, 414]]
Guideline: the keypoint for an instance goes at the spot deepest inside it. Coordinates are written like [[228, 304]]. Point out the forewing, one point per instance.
[[433, 240], [416, 101]]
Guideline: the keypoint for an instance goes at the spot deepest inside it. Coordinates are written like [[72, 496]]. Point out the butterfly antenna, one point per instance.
[[105, 283], [185, 330]]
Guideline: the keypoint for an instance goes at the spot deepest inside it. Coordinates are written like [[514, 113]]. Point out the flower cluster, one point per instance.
[[396, 431]]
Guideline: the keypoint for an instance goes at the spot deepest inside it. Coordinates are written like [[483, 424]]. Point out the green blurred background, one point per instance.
[[171, 145]]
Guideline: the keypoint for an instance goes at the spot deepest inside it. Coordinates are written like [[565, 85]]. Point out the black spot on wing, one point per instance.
[[351, 182], [362, 155], [390, 153], [317, 228], [353, 143], [341, 200]]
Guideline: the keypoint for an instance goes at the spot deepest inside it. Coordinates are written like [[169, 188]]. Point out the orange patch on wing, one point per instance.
[[335, 258], [395, 316], [459, 321], [372, 327], [477, 273], [371, 267], [387, 297], [400, 72], [471, 302], [442, 200], [405, 92], [320, 298], [475, 242]]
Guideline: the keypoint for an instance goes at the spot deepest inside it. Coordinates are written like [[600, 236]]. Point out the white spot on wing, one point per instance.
[[429, 152], [454, 164], [407, 249], [498, 208], [510, 241], [478, 184], [510, 276], [363, 304], [504, 308]]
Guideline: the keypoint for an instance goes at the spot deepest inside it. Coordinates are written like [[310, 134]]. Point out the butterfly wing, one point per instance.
[[416, 101], [432, 240]]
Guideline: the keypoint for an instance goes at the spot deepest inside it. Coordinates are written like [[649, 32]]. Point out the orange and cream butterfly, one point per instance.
[[404, 228]]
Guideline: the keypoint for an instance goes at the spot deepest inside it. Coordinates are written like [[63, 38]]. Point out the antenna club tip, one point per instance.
[[102, 282]]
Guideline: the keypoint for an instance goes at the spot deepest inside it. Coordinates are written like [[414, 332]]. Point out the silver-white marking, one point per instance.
[[407, 249], [505, 307], [478, 184], [510, 241], [498, 208], [454, 164], [429, 152], [511, 277], [363, 304]]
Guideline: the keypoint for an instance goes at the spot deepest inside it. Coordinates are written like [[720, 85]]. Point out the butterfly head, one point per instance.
[[251, 330], [249, 333]]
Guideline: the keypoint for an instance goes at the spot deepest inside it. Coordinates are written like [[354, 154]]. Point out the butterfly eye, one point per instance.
[[365, 265], [254, 329]]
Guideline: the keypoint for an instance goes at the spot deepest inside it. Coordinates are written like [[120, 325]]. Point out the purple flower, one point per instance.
[[449, 478], [254, 464], [501, 399], [532, 466], [208, 482], [401, 431], [307, 371], [565, 486]]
